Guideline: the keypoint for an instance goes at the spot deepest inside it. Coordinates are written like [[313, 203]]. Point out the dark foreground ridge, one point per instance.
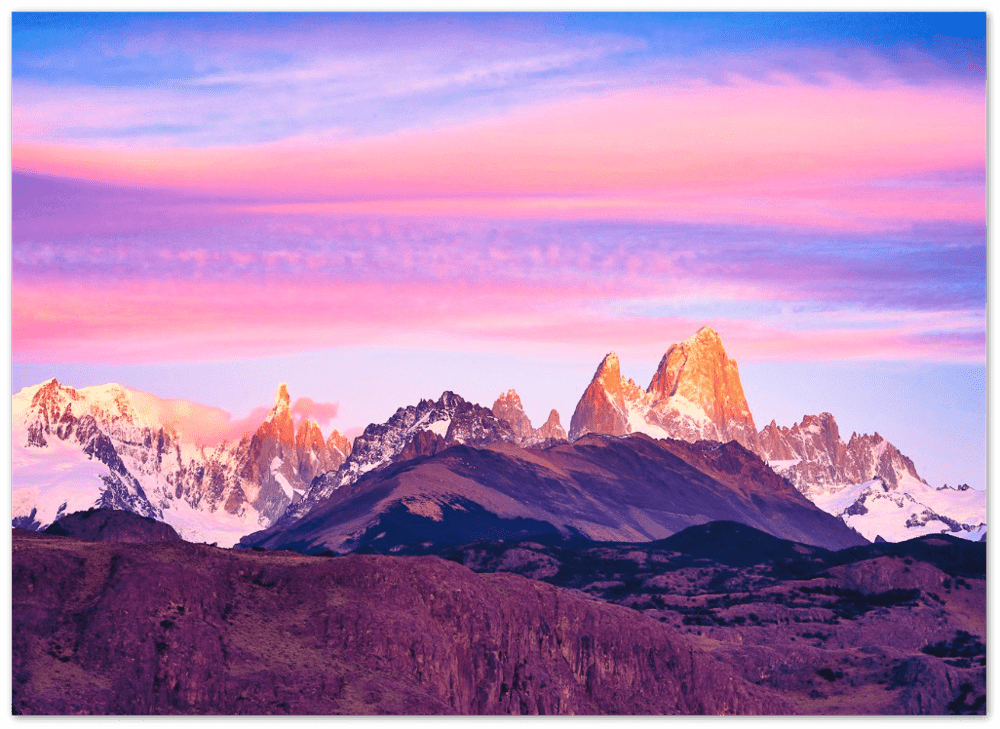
[[178, 628], [719, 618]]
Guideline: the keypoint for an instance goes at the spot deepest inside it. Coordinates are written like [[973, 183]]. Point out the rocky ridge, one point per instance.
[[416, 430], [107, 525], [868, 483], [812, 455], [629, 489]]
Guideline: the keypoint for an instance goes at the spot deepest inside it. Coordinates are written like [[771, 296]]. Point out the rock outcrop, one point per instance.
[[281, 462], [812, 455], [551, 429], [106, 525], [416, 430], [603, 407]]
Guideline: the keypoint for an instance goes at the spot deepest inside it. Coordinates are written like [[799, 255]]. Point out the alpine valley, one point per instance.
[[665, 556]]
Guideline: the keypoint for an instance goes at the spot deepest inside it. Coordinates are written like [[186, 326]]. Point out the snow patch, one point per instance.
[[782, 466], [638, 424], [440, 427], [688, 409], [211, 527], [285, 486], [887, 511]]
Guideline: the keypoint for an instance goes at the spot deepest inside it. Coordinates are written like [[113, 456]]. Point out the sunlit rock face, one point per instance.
[[551, 429], [695, 394], [603, 408]]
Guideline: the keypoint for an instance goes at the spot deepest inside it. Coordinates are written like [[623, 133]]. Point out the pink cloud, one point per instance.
[[845, 208], [693, 153], [196, 423], [879, 344], [209, 426], [305, 408], [156, 321]]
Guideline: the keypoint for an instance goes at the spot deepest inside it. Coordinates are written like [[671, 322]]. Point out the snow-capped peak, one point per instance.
[[108, 445]]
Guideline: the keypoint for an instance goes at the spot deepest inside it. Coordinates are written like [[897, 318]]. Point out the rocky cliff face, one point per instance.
[[696, 375], [270, 461], [184, 629], [695, 394], [874, 629], [603, 407], [283, 463], [552, 429], [508, 407]]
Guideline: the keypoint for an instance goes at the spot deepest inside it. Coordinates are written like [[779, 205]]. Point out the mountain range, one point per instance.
[[696, 393], [107, 447]]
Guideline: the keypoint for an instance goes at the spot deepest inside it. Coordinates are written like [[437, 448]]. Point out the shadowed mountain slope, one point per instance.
[[600, 487]]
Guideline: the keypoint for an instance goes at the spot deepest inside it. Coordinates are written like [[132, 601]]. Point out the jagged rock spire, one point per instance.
[[281, 399], [508, 407], [694, 394], [601, 408]]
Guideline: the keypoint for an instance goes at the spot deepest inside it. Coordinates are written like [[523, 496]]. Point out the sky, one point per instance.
[[377, 208]]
